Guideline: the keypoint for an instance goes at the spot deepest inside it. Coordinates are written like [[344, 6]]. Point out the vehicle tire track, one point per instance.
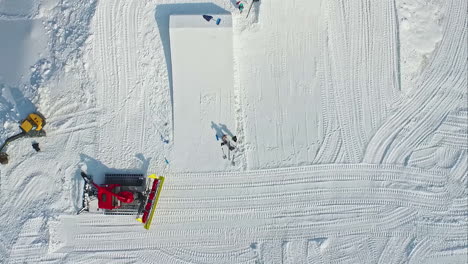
[[440, 90]]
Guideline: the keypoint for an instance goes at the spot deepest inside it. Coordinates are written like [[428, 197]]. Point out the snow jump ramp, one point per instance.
[[202, 70]]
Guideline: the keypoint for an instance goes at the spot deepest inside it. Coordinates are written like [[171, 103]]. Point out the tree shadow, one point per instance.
[[162, 14], [5, 114], [22, 105]]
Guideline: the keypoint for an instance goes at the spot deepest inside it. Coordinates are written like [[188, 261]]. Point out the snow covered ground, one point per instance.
[[352, 121]]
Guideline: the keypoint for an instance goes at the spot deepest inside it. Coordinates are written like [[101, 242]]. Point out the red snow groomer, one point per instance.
[[123, 194]]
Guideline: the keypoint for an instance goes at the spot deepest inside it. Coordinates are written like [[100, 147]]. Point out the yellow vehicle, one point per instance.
[[31, 126], [34, 121]]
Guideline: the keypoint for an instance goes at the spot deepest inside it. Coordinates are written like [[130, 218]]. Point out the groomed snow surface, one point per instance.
[[352, 121]]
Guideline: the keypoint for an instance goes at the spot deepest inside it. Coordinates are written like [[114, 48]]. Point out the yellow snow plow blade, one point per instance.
[[152, 201]]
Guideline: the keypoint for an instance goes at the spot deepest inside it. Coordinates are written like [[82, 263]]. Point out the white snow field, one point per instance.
[[352, 120]]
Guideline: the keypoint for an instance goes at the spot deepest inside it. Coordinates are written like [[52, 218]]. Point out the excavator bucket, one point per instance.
[[152, 200]]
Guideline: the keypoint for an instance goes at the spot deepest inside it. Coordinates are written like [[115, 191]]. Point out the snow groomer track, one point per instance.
[[295, 211]]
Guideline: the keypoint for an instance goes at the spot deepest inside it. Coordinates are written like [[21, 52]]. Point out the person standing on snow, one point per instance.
[[230, 147], [240, 6], [227, 142], [35, 146]]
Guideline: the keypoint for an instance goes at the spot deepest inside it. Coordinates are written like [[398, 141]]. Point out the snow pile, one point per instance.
[[420, 25], [351, 117]]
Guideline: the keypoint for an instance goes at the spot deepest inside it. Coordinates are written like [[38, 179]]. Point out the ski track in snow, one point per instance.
[[341, 161]]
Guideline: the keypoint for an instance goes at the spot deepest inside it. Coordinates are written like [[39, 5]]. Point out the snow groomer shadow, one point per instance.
[[96, 168]]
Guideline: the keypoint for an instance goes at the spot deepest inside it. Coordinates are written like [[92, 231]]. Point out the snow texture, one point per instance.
[[351, 118]]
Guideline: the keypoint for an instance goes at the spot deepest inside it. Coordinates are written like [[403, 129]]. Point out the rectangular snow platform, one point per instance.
[[203, 90]]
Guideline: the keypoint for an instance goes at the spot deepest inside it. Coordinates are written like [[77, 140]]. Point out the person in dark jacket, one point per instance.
[[35, 146], [227, 142]]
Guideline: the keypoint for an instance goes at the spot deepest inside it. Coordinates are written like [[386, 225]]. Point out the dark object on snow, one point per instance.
[[227, 143], [240, 6], [224, 140], [3, 158], [165, 141], [35, 146], [207, 17]]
